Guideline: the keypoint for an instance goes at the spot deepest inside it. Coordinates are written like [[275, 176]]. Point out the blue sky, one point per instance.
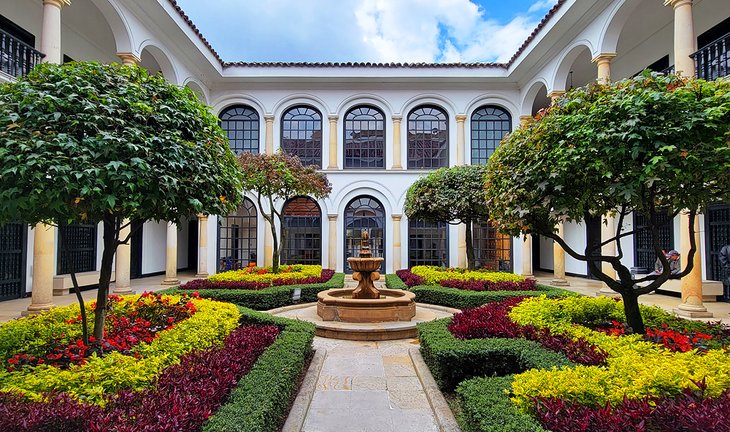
[[366, 30]]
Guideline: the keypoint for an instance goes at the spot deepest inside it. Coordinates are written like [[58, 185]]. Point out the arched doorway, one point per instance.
[[364, 213], [237, 238], [301, 232]]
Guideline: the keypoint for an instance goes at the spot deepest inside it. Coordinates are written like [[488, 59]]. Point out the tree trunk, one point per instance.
[[111, 238], [77, 290], [275, 257], [470, 258], [631, 310]]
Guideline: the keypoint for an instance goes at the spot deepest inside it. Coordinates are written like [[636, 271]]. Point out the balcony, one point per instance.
[[713, 61], [16, 57]]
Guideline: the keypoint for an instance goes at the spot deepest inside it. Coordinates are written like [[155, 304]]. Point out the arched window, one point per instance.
[[489, 124], [241, 124], [237, 238], [364, 138], [301, 134], [428, 138], [428, 243], [493, 249], [301, 232], [364, 213]]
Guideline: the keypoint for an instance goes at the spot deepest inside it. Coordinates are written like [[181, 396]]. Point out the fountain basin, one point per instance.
[[393, 305]]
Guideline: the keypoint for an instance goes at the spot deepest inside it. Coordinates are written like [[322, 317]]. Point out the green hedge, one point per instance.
[[462, 299], [486, 407], [261, 401], [392, 281], [453, 360], [268, 298]]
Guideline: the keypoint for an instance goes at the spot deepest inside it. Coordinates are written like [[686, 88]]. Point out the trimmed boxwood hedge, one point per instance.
[[268, 298], [462, 299], [392, 281], [453, 360], [261, 400]]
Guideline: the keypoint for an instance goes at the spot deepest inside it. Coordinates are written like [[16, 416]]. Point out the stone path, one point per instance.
[[367, 387]]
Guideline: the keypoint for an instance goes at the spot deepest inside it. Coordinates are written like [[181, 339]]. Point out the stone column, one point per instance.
[[333, 141], [603, 63], [397, 164], [461, 258], [51, 30], [128, 58], [524, 119], [123, 261], [684, 36], [202, 246], [269, 135], [608, 230], [691, 284], [559, 259], [171, 256], [556, 94], [460, 141], [268, 244], [397, 264], [527, 257], [332, 246], [43, 263]]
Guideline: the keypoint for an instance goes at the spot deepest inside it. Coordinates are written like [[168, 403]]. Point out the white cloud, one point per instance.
[[541, 5]]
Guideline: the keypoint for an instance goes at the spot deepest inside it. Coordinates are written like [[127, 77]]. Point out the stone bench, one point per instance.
[[710, 289], [63, 285]]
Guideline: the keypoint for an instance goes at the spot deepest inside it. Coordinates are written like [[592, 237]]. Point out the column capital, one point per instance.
[[460, 118], [332, 217], [58, 3], [603, 58], [397, 217], [202, 216], [333, 117], [524, 119], [397, 118], [269, 118], [129, 58], [677, 3], [556, 94]]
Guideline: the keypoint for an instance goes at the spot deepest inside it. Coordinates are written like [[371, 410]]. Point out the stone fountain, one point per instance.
[[366, 303]]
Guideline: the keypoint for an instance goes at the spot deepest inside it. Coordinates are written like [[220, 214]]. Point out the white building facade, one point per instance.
[[372, 128]]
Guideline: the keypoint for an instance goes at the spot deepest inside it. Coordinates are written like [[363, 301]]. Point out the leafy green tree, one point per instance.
[[652, 144], [86, 142], [451, 195], [280, 177]]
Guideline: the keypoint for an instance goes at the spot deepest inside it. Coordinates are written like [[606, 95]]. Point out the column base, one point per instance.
[[528, 276], [559, 282], [201, 275], [124, 291], [35, 309], [170, 281], [605, 291], [692, 311]]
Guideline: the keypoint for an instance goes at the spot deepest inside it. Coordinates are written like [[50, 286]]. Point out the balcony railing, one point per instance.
[[17, 58], [669, 70], [713, 60]]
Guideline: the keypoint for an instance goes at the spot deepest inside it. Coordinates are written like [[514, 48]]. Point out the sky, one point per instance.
[[366, 30]]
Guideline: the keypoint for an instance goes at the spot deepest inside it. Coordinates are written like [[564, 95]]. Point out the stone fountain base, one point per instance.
[[393, 305]]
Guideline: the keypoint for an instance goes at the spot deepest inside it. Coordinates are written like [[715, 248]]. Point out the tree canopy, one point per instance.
[[649, 144], [86, 142], [280, 176], [452, 195]]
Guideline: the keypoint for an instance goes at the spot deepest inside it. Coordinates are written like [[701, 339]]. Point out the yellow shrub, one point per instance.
[[264, 275], [433, 275]]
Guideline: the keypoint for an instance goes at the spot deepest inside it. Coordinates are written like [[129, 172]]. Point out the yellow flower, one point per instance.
[[222, 198]]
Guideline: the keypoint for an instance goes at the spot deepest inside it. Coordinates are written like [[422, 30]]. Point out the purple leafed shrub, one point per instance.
[[202, 284], [185, 396], [409, 278], [492, 320], [526, 285], [689, 411]]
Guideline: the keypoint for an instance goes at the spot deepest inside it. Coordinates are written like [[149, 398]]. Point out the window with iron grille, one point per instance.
[[301, 134], [428, 138], [364, 213], [717, 232], [12, 260], [237, 238], [428, 243], [492, 249], [644, 255], [301, 233], [76, 248], [489, 124], [364, 138], [241, 124]]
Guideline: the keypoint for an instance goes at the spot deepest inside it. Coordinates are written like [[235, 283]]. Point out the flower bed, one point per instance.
[[230, 284], [433, 275], [293, 274]]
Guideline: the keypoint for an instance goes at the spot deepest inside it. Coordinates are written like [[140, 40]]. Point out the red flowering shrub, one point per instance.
[[674, 340], [492, 320], [525, 285], [201, 284], [185, 396], [409, 278]]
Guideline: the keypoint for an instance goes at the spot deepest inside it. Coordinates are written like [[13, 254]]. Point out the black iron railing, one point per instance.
[[669, 70], [713, 60], [17, 58]]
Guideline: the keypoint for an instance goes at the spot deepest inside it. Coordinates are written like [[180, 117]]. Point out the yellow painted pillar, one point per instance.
[[397, 264], [171, 256], [332, 246], [202, 246], [556, 94], [128, 58], [43, 263], [691, 284], [527, 257], [524, 119], [461, 259], [123, 261], [397, 164], [51, 30], [268, 244], [685, 42], [269, 134], [460, 141], [559, 259], [333, 141], [603, 63]]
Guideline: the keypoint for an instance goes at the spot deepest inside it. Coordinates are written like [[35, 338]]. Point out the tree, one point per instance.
[[647, 145], [86, 142], [280, 176], [452, 195]]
